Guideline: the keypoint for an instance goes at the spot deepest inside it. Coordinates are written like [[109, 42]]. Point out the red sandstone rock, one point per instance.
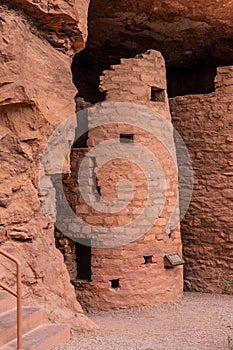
[[62, 23], [185, 32], [36, 93]]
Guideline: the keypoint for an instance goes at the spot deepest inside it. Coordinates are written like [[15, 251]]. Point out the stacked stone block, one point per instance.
[[206, 125], [132, 274]]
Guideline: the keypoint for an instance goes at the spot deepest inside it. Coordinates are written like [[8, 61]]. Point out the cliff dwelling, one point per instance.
[[113, 104], [142, 259]]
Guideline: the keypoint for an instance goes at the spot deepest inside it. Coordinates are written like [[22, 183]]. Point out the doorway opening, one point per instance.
[[83, 259]]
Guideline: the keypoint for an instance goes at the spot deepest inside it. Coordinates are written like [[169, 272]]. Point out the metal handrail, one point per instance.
[[17, 294]]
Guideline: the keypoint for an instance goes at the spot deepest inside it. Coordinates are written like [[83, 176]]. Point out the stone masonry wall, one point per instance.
[[206, 125], [133, 79], [138, 265]]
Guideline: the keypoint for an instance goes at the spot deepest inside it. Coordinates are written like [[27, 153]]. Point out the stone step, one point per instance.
[[32, 318], [42, 337], [7, 301]]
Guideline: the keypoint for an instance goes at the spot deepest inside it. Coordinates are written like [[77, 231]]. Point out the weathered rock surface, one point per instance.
[[186, 32], [62, 22], [36, 93]]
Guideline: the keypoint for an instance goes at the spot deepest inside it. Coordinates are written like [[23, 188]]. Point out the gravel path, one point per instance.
[[198, 322]]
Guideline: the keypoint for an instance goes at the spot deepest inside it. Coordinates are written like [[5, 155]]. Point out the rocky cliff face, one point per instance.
[[36, 93], [185, 32], [62, 22]]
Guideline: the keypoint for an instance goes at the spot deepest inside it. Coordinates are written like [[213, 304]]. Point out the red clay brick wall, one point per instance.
[[206, 125]]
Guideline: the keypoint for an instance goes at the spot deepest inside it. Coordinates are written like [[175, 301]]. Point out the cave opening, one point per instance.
[[198, 79], [186, 74], [86, 71], [192, 53], [181, 80]]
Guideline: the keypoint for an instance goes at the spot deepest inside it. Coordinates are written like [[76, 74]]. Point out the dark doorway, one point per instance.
[[86, 71], [191, 80], [83, 259]]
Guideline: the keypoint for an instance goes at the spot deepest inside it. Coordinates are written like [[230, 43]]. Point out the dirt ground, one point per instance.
[[197, 322]]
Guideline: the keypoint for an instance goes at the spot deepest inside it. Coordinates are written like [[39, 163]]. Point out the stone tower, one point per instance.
[[128, 267]]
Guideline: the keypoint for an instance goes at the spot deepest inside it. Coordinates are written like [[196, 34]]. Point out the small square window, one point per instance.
[[115, 283], [126, 138], [157, 95], [148, 259]]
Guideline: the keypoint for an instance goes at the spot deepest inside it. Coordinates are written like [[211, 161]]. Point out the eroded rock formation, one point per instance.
[[62, 23], [186, 33], [36, 94]]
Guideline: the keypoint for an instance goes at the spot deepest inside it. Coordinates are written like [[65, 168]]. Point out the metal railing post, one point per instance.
[[19, 307], [17, 294]]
